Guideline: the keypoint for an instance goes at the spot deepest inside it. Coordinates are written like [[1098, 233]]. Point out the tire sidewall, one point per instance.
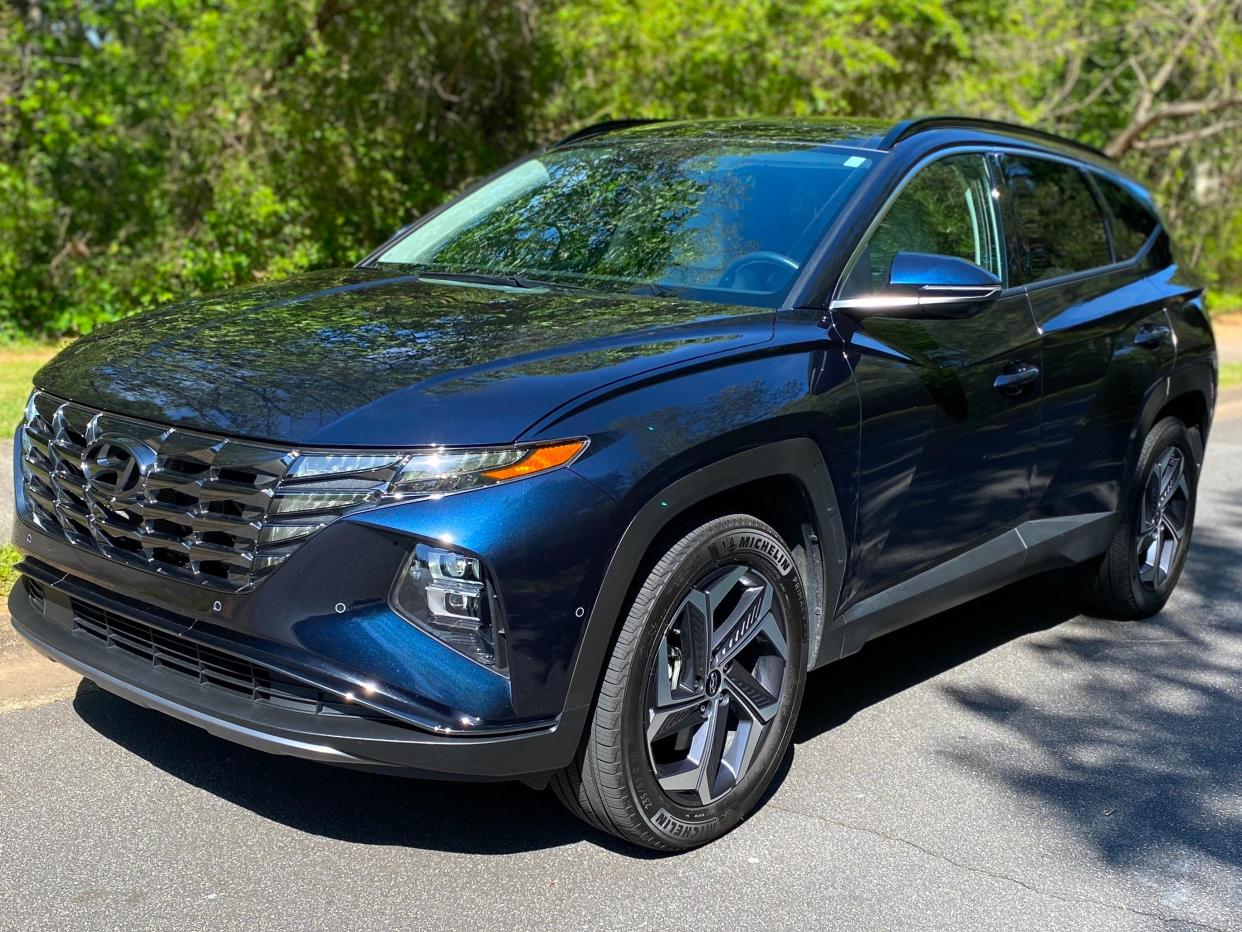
[[685, 827]]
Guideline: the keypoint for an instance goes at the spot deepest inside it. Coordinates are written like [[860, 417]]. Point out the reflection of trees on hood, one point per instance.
[[321, 345]]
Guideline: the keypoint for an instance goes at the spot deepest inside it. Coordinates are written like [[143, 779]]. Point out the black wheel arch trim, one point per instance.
[[799, 458], [1195, 378]]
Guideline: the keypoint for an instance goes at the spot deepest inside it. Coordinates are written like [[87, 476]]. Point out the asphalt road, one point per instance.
[[1008, 765]]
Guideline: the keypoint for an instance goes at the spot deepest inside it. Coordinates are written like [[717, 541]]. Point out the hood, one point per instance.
[[359, 357]]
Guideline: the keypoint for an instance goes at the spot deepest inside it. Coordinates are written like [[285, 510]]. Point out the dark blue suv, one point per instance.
[[575, 479]]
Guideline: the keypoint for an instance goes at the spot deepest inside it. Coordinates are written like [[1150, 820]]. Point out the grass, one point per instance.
[[1230, 374], [8, 558], [18, 365]]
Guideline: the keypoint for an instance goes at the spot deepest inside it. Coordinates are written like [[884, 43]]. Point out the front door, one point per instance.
[[950, 409]]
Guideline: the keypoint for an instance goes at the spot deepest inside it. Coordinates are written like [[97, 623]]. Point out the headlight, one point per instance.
[[447, 594], [335, 482], [453, 471]]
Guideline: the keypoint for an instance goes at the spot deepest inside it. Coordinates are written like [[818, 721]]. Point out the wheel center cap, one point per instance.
[[713, 682]]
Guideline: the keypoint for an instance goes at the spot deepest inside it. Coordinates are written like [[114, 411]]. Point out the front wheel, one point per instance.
[[699, 697], [1139, 571]]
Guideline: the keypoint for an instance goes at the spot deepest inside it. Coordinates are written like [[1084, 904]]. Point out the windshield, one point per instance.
[[700, 218]]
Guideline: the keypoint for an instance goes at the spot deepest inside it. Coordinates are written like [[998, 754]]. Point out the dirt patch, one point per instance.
[[1228, 330], [28, 678]]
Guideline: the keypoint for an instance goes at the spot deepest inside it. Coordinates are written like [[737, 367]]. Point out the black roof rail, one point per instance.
[[907, 128], [598, 129]]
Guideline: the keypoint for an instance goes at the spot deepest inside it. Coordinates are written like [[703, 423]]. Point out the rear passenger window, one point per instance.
[[1132, 221], [1060, 229]]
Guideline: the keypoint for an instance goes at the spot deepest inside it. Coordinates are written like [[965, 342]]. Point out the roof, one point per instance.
[[855, 133]]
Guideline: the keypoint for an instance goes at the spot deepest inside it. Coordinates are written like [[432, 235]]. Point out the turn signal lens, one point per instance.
[[447, 470], [539, 459]]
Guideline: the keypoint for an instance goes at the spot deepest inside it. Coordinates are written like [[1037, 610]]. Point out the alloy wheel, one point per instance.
[[715, 684], [1162, 525]]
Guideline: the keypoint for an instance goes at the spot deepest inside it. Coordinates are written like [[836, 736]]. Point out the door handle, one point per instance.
[[1151, 335], [1016, 377]]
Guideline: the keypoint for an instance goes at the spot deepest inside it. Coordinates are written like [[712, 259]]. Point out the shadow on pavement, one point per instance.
[[1140, 752], [891, 664], [350, 805]]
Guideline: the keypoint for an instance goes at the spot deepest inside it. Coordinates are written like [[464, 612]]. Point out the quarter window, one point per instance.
[[1059, 227], [1132, 222], [946, 209]]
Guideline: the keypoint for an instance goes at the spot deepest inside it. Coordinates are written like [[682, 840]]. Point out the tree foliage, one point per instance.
[[152, 149], [157, 148]]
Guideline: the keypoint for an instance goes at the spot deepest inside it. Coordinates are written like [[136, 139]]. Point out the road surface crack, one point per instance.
[[997, 875]]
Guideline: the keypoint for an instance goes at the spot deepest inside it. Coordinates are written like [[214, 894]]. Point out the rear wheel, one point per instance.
[[1138, 573], [700, 694]]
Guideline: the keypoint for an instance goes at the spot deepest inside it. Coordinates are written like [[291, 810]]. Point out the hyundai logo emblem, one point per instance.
[[115, 467]]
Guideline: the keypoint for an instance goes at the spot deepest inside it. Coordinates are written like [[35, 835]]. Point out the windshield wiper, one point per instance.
[[485, 278], [653, 290]]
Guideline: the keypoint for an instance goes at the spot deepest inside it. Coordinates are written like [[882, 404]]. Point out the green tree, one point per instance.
[[158, 148], [760, 57], [1158, 86]]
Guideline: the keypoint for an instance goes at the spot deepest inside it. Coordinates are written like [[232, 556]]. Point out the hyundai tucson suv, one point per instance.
[[574, 480]]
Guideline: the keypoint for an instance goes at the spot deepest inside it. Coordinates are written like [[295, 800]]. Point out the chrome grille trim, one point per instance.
[[204, 510]]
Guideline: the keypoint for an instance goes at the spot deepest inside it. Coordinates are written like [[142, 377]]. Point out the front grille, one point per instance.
[[209, 667], [182, 503]]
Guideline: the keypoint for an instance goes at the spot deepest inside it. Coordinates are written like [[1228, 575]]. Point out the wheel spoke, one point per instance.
[[717, 591], [713, 749], [752, 696], [1168, 548], [1173, 527], [1151, 499], [768, 628], [742, 624], [1145, 539], [697, 772], [698, 636], [1170, 474], [1149, 571], [680, 778], [746, 741], [691, 628], [772, 631], [677, 716]]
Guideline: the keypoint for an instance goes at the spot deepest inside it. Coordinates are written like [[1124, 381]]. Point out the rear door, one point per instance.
[[946, 455], [1106, 339]]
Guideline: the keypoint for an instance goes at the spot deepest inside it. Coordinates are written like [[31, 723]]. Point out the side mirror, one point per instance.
[[924, 285]]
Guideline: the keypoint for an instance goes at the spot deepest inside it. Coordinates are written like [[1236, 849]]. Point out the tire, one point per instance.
[[1133, 581], [638, 774]]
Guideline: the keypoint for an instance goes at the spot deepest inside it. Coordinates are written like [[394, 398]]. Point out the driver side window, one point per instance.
[[947, 209]]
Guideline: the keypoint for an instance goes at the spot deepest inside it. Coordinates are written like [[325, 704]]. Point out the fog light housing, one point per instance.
[[447, 594]]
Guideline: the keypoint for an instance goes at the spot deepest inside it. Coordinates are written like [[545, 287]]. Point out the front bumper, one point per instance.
[[322, 620], [54, 625]]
